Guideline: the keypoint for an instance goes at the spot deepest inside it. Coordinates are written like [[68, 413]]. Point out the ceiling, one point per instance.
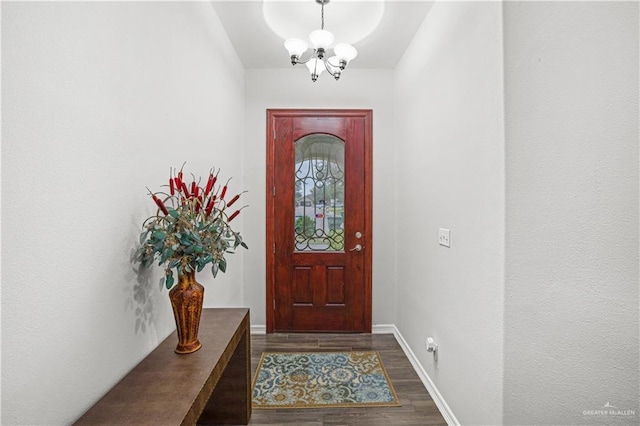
[[379, 29]]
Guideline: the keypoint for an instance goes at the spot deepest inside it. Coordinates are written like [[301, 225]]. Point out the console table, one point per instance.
[[210, 386]]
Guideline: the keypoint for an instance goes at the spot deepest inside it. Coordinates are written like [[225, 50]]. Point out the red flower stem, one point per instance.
[[160, 204], [209, 187], [210, 205], [233, 200], [233, 216]]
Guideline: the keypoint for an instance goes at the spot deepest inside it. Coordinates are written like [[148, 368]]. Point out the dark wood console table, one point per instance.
[[210, 386]]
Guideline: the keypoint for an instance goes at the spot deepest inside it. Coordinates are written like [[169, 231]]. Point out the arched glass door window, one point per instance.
[[319, 193]]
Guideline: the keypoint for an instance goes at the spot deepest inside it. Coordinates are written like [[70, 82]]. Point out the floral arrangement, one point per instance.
[[191, 227]]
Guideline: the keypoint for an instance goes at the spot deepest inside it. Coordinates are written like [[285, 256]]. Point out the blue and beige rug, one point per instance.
[[322, 380]]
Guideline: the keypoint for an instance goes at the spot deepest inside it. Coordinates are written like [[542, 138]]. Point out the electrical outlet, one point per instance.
[[443, 237]]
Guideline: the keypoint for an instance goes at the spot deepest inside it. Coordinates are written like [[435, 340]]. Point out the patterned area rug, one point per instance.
[[322, 380]]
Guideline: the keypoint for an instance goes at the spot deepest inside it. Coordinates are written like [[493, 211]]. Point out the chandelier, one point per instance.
[[321, 41]]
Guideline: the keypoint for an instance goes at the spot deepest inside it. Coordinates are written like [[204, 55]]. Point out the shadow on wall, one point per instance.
[[141, 297]]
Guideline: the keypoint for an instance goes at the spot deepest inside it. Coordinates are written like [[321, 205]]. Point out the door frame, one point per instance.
[[367, 239]]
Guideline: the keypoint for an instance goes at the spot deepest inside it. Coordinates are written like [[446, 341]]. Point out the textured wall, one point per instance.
[[449, 150], [571, 311], [98, 101], [292, 88]]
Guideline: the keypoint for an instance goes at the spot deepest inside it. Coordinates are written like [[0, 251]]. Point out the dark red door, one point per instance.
[[319, 220]]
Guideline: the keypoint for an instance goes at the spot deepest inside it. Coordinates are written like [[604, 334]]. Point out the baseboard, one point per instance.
[[442, 405], [384, 329], [258, 329]]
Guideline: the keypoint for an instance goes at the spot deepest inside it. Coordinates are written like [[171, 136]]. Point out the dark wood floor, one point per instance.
[[417, 407]]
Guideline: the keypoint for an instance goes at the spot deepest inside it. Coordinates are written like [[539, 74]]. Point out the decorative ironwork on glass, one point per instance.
[[319, 194]]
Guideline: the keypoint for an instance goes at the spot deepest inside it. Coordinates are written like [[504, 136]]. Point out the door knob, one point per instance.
[[358, 247]]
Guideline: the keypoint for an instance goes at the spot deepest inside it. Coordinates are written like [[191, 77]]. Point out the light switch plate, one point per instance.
[[444, 237]]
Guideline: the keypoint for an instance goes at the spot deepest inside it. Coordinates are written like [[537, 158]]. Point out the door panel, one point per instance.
[[318, 210]]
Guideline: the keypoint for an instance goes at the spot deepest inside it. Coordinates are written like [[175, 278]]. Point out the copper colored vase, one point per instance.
[[186, 300]]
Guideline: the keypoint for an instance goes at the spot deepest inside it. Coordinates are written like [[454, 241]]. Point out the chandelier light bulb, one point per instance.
[[321, 39], [295, 47], [345, 52], [315, 66]]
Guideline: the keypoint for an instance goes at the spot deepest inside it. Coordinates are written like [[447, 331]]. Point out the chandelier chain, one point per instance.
[[322, 15]]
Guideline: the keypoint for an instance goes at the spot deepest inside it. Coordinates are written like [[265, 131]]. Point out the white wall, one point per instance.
[[449, 141], [571, 311], [99, 100], [292, 88]]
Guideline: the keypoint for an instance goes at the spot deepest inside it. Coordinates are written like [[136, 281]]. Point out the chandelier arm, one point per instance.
[[300, 61], [338, 65], [327, 66]]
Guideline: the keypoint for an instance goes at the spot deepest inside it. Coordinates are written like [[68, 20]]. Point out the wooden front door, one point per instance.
[[319, 220]]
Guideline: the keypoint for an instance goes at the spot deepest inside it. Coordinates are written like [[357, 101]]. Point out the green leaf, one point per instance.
[[166, 254], [169, 281], [214, 269], [244, 245], [195, 236], [223, 265], [173, 213], [160, 235], [143, 236]]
